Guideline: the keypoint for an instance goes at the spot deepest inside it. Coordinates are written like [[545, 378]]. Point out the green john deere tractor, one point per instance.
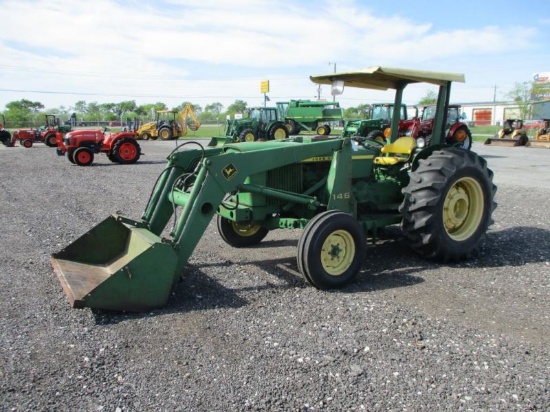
[[339, 190], [377, 126], [259, 123]]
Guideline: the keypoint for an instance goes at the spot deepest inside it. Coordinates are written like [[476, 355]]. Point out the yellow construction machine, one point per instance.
[[542, 137], [169, 124], [512, 134]]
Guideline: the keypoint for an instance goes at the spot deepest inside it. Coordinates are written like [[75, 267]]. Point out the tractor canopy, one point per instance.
[[384, 78]]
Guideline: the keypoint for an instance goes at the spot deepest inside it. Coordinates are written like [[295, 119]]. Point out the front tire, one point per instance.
[[448, 204], [165, 133], [27, 143], [83, 156], [50, 141], [331, 250], [70, 156], [247, 135], [241, 234]]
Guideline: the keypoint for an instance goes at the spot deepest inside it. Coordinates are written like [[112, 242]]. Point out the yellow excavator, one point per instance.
[[542, 137], [169, 124]]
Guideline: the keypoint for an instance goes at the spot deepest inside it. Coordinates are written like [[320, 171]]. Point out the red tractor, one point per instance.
[[81, 146], [456, 132], [44, 134]]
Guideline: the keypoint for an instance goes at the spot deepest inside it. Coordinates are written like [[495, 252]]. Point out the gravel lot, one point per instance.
[[243, 331]]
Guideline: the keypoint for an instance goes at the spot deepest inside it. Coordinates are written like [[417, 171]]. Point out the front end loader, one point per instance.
[[542, 137], [512, 134], [338, 190]]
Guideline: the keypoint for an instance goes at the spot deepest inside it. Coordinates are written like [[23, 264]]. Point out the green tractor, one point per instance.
[[260, 123], [377, 125], [339, 190]]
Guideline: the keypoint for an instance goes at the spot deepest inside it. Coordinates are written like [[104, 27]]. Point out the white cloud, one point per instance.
[[183, 48]]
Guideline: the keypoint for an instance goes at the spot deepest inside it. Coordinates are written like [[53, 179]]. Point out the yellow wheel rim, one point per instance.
[[463, 209], [245, 229], [279, 134], [249, 137], [337, 252], [164, 134]]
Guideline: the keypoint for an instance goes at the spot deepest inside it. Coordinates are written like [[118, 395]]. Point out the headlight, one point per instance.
[[420, 142]]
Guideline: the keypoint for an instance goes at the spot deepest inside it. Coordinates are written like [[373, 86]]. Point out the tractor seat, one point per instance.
[[398, 151]]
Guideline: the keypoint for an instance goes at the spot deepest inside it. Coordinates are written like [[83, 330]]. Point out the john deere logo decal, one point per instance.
[[229, 171]]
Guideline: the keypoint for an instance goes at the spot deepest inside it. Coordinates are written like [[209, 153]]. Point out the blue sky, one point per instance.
[[217, 51]]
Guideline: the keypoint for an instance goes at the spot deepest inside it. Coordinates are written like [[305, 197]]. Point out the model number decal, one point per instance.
[[345, 195]]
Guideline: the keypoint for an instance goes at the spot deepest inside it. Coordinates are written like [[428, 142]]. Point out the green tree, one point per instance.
[[212, 113], [23, 113], [239, 106], [429, 98], [360, 112], [521, 95], [148, 111]]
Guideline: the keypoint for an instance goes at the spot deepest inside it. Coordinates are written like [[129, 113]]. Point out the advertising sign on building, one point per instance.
[[541, 78]]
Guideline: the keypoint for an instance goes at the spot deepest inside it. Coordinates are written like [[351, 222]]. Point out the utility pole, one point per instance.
[[330, 64], [495, 94]]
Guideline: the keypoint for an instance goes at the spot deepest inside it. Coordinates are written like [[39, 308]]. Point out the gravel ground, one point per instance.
[[243, 331]]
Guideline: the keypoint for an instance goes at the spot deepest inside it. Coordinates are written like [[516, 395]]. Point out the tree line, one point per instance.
[[26, 113]]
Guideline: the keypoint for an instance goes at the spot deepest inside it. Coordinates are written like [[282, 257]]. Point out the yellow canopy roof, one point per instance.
[[383, 78]]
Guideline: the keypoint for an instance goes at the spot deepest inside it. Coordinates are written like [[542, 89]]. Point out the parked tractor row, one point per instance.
[[45, 134]]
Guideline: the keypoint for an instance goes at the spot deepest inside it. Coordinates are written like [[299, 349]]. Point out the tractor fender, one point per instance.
[[454, 127], [425, 153]]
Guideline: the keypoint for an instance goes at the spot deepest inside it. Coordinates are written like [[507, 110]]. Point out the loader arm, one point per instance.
[[122, 264], [198, 182]]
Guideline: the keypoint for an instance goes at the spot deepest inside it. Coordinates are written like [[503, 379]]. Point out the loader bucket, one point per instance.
[[539, 143], [117, 266], [506, 142]]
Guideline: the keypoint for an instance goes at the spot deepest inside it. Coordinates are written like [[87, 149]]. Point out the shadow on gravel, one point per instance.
[[390, 264], [195, 291], [516, 246]]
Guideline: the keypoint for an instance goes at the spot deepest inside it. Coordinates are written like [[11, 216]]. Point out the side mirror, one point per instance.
[[337, 87], [463, 116]]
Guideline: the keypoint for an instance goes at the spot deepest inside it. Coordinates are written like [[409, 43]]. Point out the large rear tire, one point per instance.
[[241, 234], [448, 204], [126, 151], [5, 137], [278, 132], [331, 250], [292, 127]]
